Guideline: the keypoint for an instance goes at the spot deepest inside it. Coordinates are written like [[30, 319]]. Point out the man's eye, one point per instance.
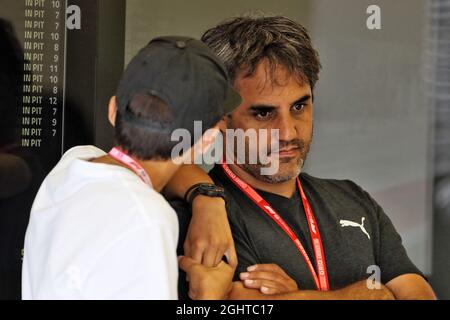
[[263, 115], [298, 107]]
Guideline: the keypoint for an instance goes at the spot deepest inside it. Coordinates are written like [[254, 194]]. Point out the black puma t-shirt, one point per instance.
[[356, 233]]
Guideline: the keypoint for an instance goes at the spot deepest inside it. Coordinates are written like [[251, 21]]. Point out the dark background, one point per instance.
[[94, 62]]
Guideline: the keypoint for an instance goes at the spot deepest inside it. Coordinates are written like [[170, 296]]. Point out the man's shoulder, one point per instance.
[[327, 183], [148, 207], [338, 192], [88, 223], [112, 205]]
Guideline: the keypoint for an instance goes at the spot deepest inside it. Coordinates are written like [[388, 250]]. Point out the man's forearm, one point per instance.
[[356, 291], [183, 179], [411, 287]]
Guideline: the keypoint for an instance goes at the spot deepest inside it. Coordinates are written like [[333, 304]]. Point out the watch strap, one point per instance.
[[206, 189]]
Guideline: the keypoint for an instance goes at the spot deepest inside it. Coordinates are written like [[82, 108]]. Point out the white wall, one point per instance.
[[371, 118]]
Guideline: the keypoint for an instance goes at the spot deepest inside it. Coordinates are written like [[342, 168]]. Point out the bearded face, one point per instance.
[[277, 101], [290, 157]]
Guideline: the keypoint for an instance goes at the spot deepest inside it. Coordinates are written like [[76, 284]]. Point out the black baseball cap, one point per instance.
[[186, 75]]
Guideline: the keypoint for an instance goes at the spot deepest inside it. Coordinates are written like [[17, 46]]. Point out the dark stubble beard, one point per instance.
[[289, 168]]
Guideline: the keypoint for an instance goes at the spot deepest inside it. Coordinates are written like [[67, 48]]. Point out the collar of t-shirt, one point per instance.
[[290, 209]]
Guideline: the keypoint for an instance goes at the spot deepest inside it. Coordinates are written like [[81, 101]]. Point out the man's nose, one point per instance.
[[287, 127]]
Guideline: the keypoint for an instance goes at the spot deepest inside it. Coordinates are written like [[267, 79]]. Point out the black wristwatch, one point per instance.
[[205, 189]]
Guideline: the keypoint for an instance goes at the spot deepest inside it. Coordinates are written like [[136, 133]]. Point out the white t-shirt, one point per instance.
[[97, 231]]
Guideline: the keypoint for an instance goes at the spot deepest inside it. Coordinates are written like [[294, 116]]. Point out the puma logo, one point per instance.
[[347, 223]]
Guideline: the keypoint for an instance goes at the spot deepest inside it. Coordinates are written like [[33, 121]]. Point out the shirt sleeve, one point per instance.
[[139, 265], [391, 256], [246, 254]]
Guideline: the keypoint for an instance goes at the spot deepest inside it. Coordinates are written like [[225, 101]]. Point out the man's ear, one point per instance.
[[112, 110]]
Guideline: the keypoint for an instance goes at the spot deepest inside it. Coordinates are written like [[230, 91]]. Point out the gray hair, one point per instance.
[[241, 43]]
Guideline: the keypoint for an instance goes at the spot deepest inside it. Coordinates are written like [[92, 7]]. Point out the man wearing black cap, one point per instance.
[[99, 229]]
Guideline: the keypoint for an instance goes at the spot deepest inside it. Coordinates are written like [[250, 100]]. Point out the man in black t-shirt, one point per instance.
[[347, 238], [350, 250], [359, 239]]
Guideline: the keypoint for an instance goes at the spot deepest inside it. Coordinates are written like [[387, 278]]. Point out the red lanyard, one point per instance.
[[121, 156], [320, 278]]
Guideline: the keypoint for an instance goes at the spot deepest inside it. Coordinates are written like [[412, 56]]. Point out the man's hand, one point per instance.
[[205, 283], [269, 279], [240, 292], [209, 235]]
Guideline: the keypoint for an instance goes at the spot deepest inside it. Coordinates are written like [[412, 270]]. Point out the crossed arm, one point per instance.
[[271, 282], [209, 238]]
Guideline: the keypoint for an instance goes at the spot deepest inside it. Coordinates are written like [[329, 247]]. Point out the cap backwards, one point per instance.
[[183, 73]]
